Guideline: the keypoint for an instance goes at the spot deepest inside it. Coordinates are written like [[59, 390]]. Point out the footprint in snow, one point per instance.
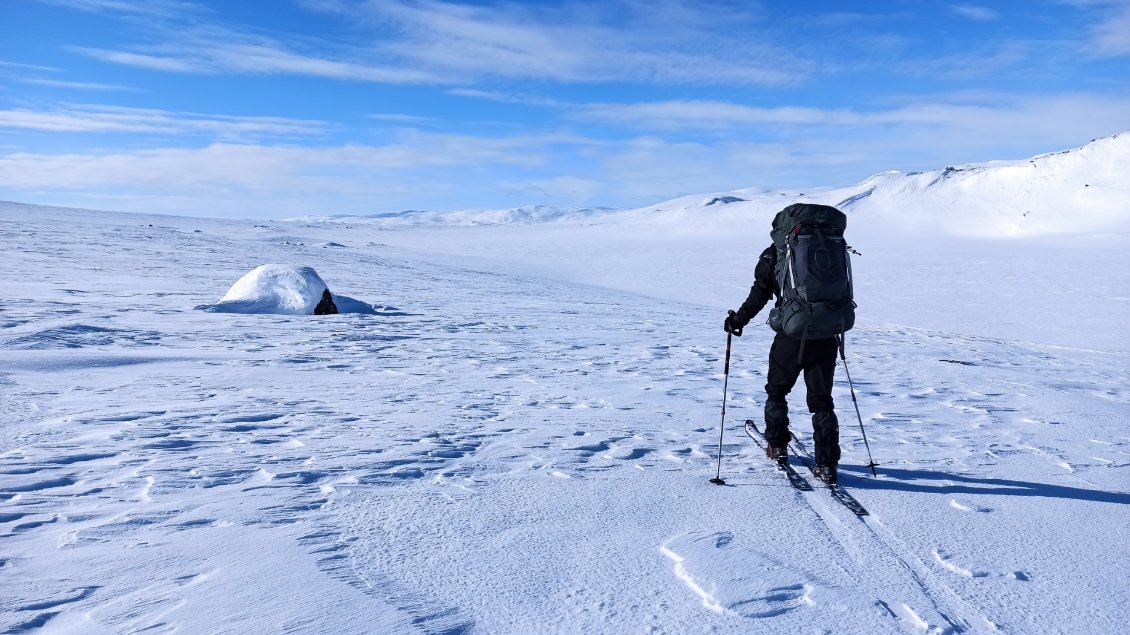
[[960, 566]]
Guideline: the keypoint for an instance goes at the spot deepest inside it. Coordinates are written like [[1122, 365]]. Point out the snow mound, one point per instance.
[[282, 290]]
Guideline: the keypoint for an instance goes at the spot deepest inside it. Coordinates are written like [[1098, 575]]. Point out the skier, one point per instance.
[[788, 357]]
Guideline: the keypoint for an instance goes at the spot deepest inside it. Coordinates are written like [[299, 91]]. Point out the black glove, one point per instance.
[[730, 325]]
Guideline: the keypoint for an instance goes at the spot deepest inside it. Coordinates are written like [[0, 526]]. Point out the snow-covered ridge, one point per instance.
[[1073, 191], [1077, 191], [1083, 190], [524, 215]]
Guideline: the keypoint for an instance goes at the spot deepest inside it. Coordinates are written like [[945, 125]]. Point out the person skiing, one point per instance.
[[813, 352]]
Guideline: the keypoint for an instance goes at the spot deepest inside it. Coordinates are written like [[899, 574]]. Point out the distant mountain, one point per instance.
[[525, 215], [1084, 190]]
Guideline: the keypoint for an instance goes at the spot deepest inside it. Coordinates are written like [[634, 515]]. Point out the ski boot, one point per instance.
[[778, 453], [826, 473]]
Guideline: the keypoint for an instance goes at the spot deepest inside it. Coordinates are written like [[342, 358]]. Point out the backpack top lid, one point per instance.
[[805, 214]]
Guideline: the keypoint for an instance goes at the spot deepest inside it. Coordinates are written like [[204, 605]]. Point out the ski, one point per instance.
[[837, 490], [795, 479]]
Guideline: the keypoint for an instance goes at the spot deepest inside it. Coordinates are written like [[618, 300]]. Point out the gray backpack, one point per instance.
[[813, 272]]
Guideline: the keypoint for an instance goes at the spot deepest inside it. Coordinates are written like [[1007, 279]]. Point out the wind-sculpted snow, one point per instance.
[[511, 446], [282, 290]]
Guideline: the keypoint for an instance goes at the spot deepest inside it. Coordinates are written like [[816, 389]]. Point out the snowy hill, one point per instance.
[[1077, 191], [525, 215], [1084, 190]]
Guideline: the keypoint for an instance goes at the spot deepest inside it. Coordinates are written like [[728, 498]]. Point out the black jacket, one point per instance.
[[764, 288]]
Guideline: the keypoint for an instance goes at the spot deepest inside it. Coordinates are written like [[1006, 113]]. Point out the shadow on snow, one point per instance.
[[921, 481]]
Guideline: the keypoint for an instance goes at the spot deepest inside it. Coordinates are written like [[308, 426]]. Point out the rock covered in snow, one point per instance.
[[326, 305], [284, 290], [724, 200]]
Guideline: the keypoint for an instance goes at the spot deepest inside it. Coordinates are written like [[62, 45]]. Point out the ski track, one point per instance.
[[132, 422]]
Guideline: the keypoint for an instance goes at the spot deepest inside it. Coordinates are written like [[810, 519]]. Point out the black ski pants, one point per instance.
[[817, 359]]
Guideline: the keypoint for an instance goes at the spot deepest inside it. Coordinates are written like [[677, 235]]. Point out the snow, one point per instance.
[[519, 437], [282, 290]]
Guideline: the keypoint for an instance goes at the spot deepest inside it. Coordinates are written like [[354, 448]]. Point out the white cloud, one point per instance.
[[280, 167], [505, 98], [1112, 36], [979, 62], [148, 8], [442, 171], [151, 62], [418, 170], [564, 189], [92, 118], [432, 42], [1025, 114], [975, 12], [669, 42], [212, 54], [53, 83], [412, 120], [708, 115], [30, 67]]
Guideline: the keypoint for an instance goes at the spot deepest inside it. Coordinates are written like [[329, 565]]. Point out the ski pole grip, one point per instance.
[[736, 331]]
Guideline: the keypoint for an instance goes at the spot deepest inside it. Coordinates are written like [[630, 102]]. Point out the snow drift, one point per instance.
[[282, 290]]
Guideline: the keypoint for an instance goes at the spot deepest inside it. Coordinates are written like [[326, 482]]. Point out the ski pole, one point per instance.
[[871, 462], [717, 480]]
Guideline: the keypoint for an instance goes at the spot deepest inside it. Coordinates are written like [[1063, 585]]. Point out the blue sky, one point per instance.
[[272, 109]]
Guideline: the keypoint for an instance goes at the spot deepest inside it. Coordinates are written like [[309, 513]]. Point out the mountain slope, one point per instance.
[[1075, 191]]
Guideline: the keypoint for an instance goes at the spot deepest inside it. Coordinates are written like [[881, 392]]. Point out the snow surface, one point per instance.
[[520, 439]]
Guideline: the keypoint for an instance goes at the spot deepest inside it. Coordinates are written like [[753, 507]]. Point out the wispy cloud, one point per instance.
[[434, 42], [54, 83], [214, 54], [151, 62], [445, 171], [978, 62], [564, 44], [30, 67], [505, 98], [149, 8], [996, 114], [413, 120], [709, 115], [254, 165], [93, 118], [1111, 37], [416, 170], [976, 12]]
